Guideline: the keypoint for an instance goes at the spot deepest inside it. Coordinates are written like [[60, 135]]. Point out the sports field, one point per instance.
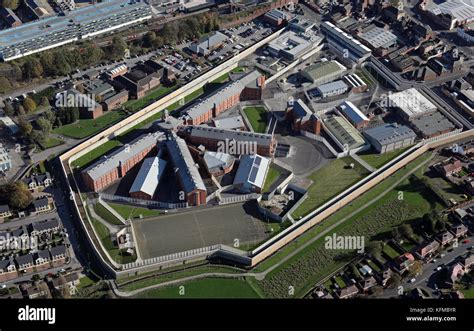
[[199, 228]]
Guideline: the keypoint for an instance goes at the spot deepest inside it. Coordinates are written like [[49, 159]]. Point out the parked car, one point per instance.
[[412, 280]]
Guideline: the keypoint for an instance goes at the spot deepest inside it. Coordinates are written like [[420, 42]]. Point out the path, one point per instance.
[[363, 163], [263, 274]]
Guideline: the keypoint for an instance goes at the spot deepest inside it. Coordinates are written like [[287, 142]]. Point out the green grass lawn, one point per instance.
[[85, 282], [340, 282], [86, 127], [106, 214], [238, 69], [377, 160], [468, 294], [161, 278], [95, 154], [328, 182], [104, 236], [51, 142], [257, 117], [205, 289], [272, 176], [390, 251], [155, 94], [127, 211]]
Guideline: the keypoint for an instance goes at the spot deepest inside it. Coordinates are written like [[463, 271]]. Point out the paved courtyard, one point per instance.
[[199, 228]]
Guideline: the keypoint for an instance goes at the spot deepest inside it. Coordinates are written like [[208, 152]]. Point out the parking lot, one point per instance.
[[198, 228]]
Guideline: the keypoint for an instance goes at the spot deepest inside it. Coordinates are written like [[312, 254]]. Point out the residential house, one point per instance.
[[42, 205], [35, 292], [38, 181], [459, 230], [7, 270], [468, 262], [367, 283], [20, 236], [445, 238], [449, 167], [42, 259], [4, 212], [347, 292], [58, 255], [403, 262], [25, 263], [70, 282], [385, 275], [427, 250], [45, 227], [455, 272]]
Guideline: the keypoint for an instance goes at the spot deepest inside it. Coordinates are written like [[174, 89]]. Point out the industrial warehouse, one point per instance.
[[81, 23]]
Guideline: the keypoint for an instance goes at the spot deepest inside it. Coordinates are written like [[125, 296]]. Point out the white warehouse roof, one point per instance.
[[411, 102], [149, 176]]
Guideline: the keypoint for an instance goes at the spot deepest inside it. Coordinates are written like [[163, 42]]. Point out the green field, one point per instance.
[[86, 127], [258, 118], [127, 211], [272, 176], [51, 142], [390, 251], [95, 154], [315, 263], [328, 182], [104, 236], [106, 214], [214, 288], [377, 160], [166, 277], [468, 294], [155, 94]]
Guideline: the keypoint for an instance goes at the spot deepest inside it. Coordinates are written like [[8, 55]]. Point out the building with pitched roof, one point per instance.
[[117, 164], [251, 174], [187, 171], [389, 137], [148, 178]]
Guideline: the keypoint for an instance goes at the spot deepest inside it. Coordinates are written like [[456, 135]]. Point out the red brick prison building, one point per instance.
[[116, 165], [230, 141], [303, 118], [188, 174], [247, 87]]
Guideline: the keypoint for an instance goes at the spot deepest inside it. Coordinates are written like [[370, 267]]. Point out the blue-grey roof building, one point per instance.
[[251, 174], [82, 23], [187, 172], [389, 137]]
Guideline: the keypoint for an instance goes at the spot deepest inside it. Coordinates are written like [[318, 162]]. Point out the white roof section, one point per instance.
[[215, 160], [149, 176], [352, 112], [252, 171], [411, 102], [378, 37], [459, 9], [126, 152], [117, 69], [8, 122], [290, 43], [204, 45], [230, 123]]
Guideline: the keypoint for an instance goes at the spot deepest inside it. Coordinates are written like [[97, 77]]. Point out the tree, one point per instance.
[[355, 272], [44, 125], [16, 195], [117, 50], [8, 109], [12, 4], [25, 126], [32, 68], [396, 234], [407, 231], [374, 248], [29, 105], [149, 39], [415, 269], [5, 85], [44, 101], [394, 281]]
